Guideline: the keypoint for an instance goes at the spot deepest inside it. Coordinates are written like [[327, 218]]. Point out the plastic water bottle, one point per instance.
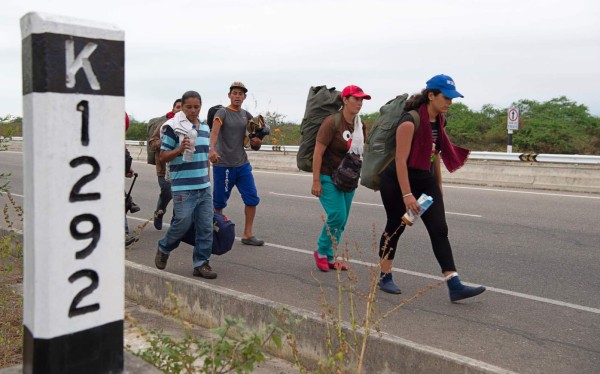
[[188, 154], [424, 202]]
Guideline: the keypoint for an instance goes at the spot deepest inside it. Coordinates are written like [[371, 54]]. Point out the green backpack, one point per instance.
[[380, 146], [321, 102]]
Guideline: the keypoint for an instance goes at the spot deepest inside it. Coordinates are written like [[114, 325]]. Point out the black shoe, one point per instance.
[[160, 260], [130, 239], [158, 219], [205, 271], [130, 206], [253, 241], [134, 208], [459, 291]]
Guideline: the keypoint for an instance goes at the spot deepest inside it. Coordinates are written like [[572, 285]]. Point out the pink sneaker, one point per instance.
[[337, 265], [322, 263]]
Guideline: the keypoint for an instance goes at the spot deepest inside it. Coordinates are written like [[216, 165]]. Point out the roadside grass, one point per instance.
[[11, 300], [231, 347]]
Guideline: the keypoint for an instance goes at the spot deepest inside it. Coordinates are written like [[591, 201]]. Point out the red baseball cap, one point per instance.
[[356, 92]]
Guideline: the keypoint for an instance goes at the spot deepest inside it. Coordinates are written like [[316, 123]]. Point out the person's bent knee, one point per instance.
[[337, 219], [251, 201]]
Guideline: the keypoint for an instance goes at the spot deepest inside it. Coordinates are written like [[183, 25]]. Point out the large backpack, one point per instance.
[[211, 114], [380, 146], [151, 128], [321, 102]]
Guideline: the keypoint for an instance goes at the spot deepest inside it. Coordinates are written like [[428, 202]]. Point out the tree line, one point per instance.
[[558, 126]]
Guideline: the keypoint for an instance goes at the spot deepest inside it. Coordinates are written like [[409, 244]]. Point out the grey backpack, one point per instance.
[[380, 147], [321, 102]]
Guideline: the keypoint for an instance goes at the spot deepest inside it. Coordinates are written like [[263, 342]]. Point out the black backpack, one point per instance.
[[211, 114], [321, 102]]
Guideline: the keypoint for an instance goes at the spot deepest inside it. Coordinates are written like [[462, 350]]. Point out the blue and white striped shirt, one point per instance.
[[187, 175]]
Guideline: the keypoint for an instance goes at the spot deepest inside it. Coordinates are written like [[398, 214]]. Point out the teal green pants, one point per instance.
[[337, 207]]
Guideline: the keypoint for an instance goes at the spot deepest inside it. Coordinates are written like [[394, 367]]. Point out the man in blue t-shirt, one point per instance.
[[230, 161], [190, 185]]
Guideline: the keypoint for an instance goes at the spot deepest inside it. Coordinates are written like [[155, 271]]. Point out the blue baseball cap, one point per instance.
[[445, 84]]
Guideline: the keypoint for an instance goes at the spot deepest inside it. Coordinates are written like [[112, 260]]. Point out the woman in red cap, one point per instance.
[[420, 139], [340, 133]]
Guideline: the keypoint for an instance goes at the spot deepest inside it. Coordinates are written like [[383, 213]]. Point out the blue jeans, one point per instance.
[[337, 206], [165, 194], [191, 208]]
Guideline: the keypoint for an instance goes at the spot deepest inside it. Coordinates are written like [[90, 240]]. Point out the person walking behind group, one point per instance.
[[190, 186], [165, 186], [335, 138], [129, 204], [415, 170], [230, 161]]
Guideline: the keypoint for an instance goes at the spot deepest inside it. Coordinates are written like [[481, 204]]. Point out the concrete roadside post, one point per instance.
[[74, 131]]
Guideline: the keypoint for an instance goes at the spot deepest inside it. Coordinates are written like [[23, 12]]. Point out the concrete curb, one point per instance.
[[208, 305]]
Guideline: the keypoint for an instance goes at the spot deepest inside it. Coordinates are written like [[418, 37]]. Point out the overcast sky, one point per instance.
[[496, 51]]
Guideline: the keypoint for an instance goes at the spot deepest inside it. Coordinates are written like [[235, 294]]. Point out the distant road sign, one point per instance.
[[513, 119]]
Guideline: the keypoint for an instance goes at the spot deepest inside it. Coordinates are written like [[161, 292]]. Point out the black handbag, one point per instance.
[[346, 176]]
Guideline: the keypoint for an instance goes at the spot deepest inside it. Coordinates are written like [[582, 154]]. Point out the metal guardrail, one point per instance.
[[492, 156], [537, 157], [498, 156]]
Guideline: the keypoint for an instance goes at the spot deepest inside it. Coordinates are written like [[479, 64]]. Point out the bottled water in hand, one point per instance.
[[188, 154], [424, 202]]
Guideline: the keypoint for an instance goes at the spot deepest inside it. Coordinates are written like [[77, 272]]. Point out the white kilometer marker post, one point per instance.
[[74, 134]]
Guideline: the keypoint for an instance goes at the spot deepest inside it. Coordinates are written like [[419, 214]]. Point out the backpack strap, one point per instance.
[[415, 115], [338, 119]]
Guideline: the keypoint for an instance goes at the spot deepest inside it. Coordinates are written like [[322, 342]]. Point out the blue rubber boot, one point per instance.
[[386, 284], [459, 291]]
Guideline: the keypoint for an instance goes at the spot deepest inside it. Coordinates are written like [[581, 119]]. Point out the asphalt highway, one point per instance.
[[537, 252]]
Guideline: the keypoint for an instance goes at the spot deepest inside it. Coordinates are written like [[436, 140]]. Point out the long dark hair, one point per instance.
[[415, 101]]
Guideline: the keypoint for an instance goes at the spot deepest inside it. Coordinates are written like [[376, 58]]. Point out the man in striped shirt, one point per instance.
[[190, 185]]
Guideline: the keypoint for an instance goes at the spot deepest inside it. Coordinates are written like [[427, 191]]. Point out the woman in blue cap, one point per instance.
[[420, 139]]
